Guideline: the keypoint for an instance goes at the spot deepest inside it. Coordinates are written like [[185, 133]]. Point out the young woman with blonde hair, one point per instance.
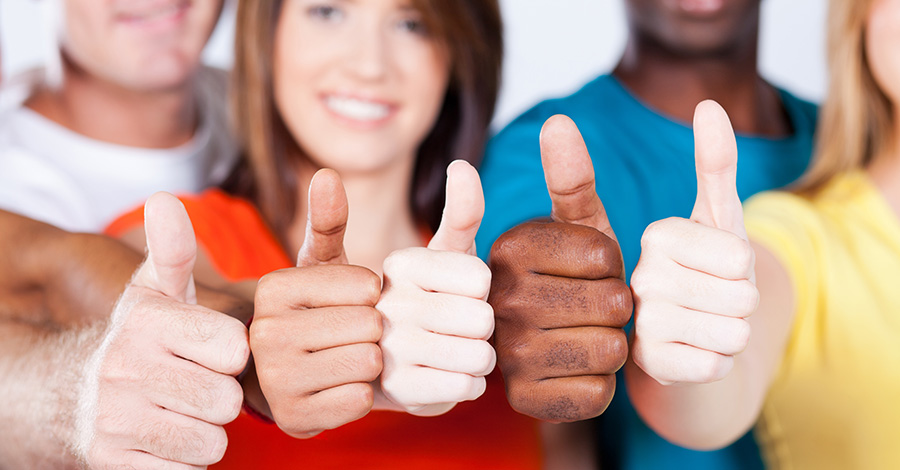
[[805, 342]]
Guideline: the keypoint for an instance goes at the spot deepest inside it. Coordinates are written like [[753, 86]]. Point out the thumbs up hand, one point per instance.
[[315, 330], [694, 286], [161, 385], [436, 318], [559, 294]]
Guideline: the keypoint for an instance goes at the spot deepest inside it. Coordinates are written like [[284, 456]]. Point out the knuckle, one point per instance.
[[711, 367], [217, 443], [237, 347], [616, 347], [741, 258], [654, 234], [370, 362], [746, 298], [484, 358], [483, 320], [231, 399], [741, 335], [480, 276], [398, 262], [369, 284]]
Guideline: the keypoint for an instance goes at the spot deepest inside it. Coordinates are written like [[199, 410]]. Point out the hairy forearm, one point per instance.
[[40, 376]]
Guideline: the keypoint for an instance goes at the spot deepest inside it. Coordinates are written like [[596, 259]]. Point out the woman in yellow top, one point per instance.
[[817, 364]]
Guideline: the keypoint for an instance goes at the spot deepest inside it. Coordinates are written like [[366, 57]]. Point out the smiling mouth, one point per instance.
[[356, 109], [160, 13]]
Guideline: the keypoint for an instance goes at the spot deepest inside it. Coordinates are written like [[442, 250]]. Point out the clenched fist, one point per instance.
[[559, 294], [315, 331], [161, 385]]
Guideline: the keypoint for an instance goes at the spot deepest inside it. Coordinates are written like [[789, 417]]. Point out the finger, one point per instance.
[[570, 176], [447, 353], [329, 368], [139, 459], [558, 249], [718, 204], [567, 352], [321, 328], [176, 437], [674, 362], [698, 247], [328, 409], [697, 291], [416, 386], [662, 322], [550, 302], [316, 286], [450, 315], [326, 221], [459, 274], [563, 399], [213, 340], [194, 391], [463, 210], [171, 249]]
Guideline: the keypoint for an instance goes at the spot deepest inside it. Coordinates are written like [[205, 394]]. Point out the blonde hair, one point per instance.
[[857, 122]]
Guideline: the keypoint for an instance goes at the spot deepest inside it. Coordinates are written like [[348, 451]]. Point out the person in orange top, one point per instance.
[[387, 93]]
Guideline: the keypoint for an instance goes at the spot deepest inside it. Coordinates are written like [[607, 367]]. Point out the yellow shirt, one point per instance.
[[835, 402]]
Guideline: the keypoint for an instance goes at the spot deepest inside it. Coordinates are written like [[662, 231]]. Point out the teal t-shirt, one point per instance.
[[644, 167]]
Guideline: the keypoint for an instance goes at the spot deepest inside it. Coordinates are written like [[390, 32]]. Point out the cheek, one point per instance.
[[427, 83], [883, 46]]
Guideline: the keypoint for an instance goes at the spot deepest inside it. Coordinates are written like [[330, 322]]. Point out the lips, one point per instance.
[[153, 12], [356, 109], [700, 7]]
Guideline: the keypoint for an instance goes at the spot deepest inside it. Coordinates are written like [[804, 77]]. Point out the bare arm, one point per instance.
[[56, 291], [713, 415], [711, 319]]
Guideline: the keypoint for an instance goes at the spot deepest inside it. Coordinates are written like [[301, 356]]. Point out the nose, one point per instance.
[[370, 54]]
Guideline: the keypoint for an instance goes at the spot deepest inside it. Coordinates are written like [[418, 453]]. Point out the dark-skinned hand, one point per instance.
[[559, 294]]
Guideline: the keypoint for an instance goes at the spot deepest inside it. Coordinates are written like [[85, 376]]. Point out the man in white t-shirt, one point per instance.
[[130, 112], [134, 113]]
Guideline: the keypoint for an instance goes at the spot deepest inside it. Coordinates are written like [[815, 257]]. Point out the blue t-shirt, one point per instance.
[[644, 168]]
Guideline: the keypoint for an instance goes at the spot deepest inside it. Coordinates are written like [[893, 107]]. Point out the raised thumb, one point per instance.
[[326, 221], [171, 249], [718, 204], [463, 210], [569, 173]]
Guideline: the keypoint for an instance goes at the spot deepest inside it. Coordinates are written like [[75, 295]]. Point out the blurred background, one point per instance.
[[553, 46]]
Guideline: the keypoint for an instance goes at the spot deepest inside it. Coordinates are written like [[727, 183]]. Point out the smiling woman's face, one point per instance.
[[359, 83]]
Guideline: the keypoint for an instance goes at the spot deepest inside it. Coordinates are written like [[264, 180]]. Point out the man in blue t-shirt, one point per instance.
[[635, 123]]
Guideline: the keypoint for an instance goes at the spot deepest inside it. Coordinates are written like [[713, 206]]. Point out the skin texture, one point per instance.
[[161, 384], [705, 387], [559, 295], [695, 291], [56, 303]]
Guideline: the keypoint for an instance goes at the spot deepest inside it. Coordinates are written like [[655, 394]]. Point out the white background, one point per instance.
[[552, 46]]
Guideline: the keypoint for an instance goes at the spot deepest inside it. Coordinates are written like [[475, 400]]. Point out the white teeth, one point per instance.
[[357, 109]]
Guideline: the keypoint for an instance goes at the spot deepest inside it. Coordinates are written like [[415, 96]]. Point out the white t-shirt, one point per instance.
[[52, 174]]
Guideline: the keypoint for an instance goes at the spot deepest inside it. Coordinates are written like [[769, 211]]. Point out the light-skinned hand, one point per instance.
[[160, 387], [694, 285], [436, 319]]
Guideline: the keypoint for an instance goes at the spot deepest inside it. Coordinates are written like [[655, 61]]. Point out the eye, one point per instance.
[[326, 13], [413, 25]]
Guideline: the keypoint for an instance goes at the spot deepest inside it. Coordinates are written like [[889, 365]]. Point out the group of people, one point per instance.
[[354, 275]]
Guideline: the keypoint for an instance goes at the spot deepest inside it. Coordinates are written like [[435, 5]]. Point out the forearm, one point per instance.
[[698, 416], [40, 376]]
